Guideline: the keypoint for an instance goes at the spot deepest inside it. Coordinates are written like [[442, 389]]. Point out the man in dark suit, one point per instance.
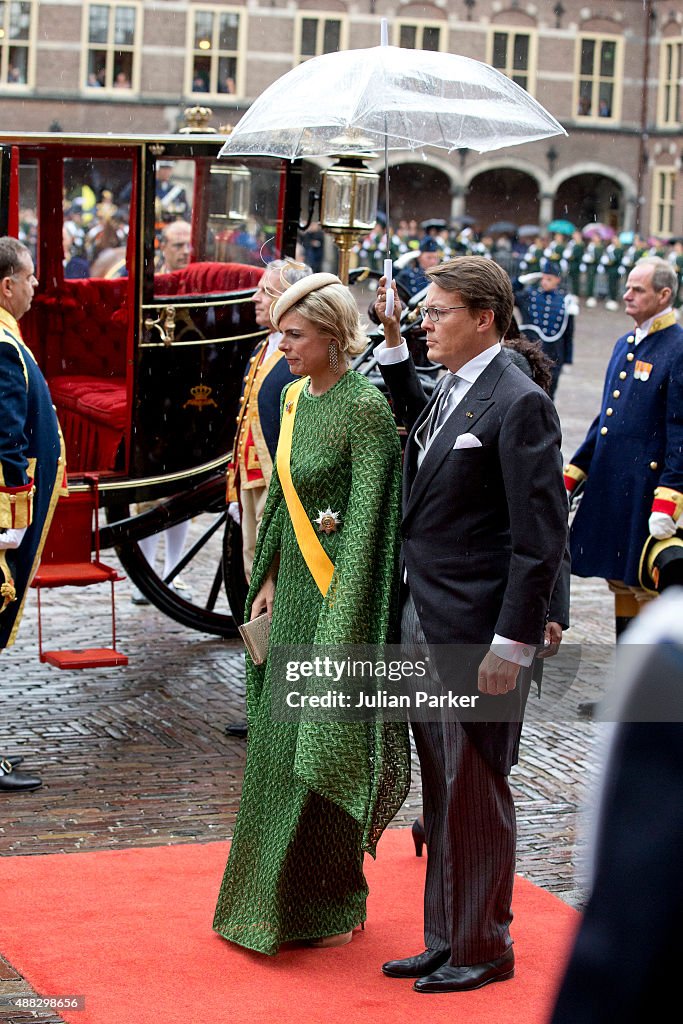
[[484, 534]]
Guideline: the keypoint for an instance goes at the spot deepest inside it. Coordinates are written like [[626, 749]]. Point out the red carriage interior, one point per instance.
[[81, 332]]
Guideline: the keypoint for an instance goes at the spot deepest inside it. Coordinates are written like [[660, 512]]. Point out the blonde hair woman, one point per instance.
[[317, 795]]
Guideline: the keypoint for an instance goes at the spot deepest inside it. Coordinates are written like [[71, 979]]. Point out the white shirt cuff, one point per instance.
[[513, 650], [11, 539], [386, 356]]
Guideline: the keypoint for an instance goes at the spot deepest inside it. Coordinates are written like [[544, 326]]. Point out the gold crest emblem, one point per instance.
[[200, 397]]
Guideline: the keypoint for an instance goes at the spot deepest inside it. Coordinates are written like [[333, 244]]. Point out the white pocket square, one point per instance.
[[467, 441]]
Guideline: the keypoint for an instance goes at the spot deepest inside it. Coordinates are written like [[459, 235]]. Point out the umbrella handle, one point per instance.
[[388, 267]]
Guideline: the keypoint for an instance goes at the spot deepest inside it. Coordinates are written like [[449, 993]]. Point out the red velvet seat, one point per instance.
[[208, 279], [93, 414]]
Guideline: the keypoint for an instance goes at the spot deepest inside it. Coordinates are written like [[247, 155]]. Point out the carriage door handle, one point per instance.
[[165, 324]]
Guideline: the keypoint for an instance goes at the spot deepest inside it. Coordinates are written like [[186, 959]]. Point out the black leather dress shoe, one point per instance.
[[238, 729], [13, 782], [14, 759], [462, 979], [417, 966]]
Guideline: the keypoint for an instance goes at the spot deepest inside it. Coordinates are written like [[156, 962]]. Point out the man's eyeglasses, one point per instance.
[[433, 311]]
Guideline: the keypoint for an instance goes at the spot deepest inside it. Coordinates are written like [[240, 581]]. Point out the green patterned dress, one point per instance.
[[317, 795]]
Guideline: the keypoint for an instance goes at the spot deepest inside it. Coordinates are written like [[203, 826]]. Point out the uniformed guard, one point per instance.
[[630, 465], [611, 262], [554, 252], [32, 463], [547, 314], [591, 262], [573, 257], [530, 262], [413, 278]]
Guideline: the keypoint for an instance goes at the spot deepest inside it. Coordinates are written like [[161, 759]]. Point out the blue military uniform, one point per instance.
[[411, 280], [548, 317], [32, 469], [633, 452]]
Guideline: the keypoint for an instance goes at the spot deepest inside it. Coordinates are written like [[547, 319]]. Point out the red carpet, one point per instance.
[[131, 930]]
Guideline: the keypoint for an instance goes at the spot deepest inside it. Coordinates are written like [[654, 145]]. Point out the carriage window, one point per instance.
[[215, 46], [243, 212], [28, 208], [111, 33], [235, 221], [97, 195]]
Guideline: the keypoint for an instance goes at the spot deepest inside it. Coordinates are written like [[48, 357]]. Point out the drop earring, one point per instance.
[[333, 353]]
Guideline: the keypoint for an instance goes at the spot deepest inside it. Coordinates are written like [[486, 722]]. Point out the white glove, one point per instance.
[[574, 500], [530, 278], [661, 525], [11, 539], [234, 511]]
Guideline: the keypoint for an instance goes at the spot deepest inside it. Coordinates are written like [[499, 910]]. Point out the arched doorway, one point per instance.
[[503, 194], [591, 197]]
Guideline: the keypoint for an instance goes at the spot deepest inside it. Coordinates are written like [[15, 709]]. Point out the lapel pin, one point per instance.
[[469, 415]]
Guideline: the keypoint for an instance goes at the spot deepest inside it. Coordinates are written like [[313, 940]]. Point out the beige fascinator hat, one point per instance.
[[295, 292]]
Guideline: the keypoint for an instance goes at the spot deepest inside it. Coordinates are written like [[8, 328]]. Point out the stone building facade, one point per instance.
[[611, 73]]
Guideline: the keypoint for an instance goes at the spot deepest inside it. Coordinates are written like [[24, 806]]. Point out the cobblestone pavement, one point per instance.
[[138, 756]]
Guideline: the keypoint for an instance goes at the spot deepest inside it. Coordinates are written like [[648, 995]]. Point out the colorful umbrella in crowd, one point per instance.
[[561, 227], [595, 227]]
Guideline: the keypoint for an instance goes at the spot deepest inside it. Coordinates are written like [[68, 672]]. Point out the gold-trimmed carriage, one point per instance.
[[143, 334]]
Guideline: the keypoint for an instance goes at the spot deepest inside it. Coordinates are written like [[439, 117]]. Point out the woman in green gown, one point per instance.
[[317, 795]]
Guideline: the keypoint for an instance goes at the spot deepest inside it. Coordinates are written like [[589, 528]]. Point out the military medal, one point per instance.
[[327, 521], [642, 370]]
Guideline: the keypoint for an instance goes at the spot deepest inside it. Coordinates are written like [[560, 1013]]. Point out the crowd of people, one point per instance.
[[463, 543], [593, 265]]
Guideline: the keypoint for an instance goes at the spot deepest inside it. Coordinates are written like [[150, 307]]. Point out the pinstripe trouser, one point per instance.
[[471, 834]]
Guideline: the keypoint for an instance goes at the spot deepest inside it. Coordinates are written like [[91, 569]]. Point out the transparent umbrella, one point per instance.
[[393, 98]]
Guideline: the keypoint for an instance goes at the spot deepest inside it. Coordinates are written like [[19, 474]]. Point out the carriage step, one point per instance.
[[91, 657]]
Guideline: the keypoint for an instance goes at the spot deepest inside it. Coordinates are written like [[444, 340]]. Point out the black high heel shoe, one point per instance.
[[419, 839]]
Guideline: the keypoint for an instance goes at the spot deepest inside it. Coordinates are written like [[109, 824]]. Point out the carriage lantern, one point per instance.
[[348, 204]]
